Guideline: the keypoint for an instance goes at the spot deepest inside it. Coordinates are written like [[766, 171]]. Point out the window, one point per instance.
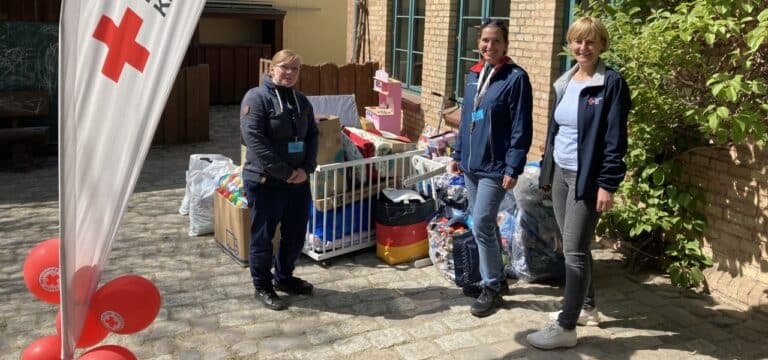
[[408, 43], [572, 6], [471, 13]]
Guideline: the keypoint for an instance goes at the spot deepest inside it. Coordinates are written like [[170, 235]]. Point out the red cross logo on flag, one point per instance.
[[147, 40], [121, 41]]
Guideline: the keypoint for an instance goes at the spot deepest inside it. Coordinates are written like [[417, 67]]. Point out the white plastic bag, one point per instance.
[[197, 162], [202, 181]]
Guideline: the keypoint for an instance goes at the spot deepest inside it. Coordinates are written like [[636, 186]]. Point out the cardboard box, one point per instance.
[[329, 140], [231, 229]]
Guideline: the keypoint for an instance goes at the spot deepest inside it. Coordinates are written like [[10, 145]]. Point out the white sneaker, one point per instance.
[[552, 336], [586, 317]]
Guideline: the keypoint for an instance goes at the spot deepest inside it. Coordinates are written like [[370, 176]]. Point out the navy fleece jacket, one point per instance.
[[602, 124], [497, 144]]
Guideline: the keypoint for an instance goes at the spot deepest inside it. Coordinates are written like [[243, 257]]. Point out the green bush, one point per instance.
[[698, 71]]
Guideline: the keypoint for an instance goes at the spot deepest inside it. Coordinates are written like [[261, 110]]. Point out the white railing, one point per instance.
[[341, 220]]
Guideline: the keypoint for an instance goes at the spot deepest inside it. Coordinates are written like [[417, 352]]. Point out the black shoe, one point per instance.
[[474, 290], [294, 286], [270, 299], [504, 289], [486, 303]]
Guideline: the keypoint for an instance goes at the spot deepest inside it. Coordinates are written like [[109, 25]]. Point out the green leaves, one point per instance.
[[763, 17], [697, 74], [722, 112], [757, 38], [686, 271]]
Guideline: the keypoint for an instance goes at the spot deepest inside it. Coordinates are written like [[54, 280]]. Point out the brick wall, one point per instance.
[[379, 27], [413, 117], [535, 36], [380, 22], [439, 57], [736, 207], [734, 179], [535, 40]]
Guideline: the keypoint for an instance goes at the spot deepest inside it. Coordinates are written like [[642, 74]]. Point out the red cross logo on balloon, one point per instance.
[[49, 279], [52, 280], [112, 320], [121, 41]]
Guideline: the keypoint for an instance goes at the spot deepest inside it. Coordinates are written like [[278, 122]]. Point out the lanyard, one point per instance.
[[482, 86], [280, 101], [294, 113]]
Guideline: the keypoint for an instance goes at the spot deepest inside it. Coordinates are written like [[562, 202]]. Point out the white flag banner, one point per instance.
[[118, 60]]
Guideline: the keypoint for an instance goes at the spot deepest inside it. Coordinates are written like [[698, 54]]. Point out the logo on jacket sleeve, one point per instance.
[[594, 100]]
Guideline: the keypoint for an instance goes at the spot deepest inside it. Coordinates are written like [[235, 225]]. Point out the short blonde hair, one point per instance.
[[588, 26], [285, 55]]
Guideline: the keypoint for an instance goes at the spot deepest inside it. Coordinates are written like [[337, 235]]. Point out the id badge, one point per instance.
[[478, 114], [295, 147]]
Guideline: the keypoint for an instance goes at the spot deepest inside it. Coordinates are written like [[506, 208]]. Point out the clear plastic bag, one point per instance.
[[530, 233], [202, 180]]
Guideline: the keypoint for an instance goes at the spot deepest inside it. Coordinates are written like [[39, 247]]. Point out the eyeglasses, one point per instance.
[[287, 68], [488, 21]]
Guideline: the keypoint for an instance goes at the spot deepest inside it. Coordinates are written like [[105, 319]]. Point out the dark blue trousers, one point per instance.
[[270, 205]]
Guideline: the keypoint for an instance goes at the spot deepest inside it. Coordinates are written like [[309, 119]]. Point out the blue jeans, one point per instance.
[[485, 196], [269, 206], [577, 220]]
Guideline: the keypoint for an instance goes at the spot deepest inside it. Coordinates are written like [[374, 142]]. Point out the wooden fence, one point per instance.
[[30, 10], [185, 118], [331, 79], [233, 69]]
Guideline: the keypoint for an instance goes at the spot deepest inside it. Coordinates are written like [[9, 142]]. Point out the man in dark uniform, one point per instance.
[[278, 127]]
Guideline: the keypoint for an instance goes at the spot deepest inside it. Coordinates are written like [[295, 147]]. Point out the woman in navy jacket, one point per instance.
[[278, 126], [494, 138], [583, 166]]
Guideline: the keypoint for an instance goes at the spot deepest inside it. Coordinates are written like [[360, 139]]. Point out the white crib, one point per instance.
[[343, 221]]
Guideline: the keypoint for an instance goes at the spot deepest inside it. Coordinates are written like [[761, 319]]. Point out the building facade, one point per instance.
[[428, 45]]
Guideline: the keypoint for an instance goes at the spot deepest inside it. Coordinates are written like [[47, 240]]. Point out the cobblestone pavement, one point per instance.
[[362, 308]]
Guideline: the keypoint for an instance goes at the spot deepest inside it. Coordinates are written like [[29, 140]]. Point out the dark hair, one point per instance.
[[486, 22]]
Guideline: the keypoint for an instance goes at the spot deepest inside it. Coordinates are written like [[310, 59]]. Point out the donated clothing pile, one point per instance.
[[530, 233], [531, 244], [451, 223]]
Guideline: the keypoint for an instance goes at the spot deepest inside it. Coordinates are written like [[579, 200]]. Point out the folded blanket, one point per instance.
[[365, 146], [355, 148]]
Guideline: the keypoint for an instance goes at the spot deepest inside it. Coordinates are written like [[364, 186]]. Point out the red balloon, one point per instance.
[[84, 279], [44, 348], [108, 352], [126, 304], [93, 332], [41, 271]]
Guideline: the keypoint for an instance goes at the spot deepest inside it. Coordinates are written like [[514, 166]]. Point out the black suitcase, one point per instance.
[[398, 214]]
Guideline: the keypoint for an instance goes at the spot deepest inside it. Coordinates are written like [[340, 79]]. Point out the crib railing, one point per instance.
[[343, 198]]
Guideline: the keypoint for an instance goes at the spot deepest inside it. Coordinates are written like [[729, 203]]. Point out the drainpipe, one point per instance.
[[354, 31]]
